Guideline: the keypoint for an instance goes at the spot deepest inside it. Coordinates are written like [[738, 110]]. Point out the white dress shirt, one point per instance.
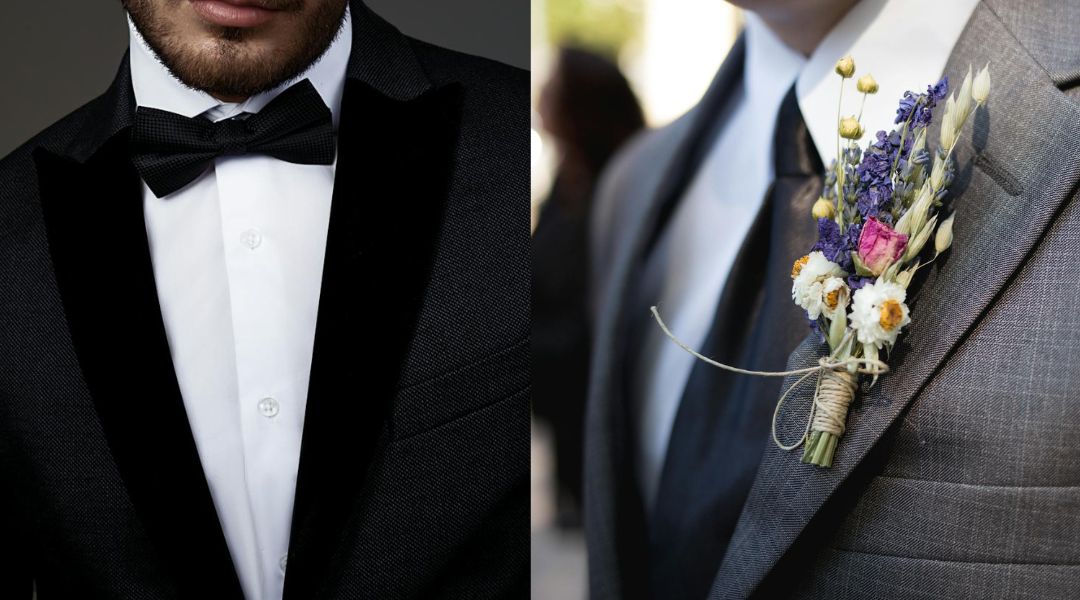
[[703, 237], [237, 257], [894, 41]]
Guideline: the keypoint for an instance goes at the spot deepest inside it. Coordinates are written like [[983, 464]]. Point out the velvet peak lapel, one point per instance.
[[1010, 187], [91, 200], [395, 152]]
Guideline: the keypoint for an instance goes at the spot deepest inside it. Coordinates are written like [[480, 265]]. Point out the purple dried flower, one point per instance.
[[918, 107], [852, 235], [874, 191], [837, 245], [938, 91], [831, 243], [856, 282]]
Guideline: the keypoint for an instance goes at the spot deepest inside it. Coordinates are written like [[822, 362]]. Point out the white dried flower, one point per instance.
[[878, 313], [915, 217], [963, 101], [980, 89], [834, 296], [920, 142], [810, 274], [943, 239], [903, 278], [948, 129], [937, 173], [917, 241]]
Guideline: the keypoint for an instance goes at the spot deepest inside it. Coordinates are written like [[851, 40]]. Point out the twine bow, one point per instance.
[[833, 392]]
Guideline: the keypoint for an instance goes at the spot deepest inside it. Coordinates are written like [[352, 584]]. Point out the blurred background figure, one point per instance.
[[589, 110], [601, 70]]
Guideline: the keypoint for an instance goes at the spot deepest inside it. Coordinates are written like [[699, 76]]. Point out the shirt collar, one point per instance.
[[904, 45], [771, 67], [155, 86]]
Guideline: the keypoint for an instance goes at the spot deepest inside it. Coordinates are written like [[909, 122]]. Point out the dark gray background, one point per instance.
[[55, 55]]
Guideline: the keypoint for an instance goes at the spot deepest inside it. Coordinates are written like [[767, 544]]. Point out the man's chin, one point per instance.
[[230, 77], [229, 61]]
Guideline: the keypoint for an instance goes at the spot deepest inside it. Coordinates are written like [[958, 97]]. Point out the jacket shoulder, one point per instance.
[[627, 185], [55, 137], [493, 130], [18, 172], [485, 81], [1039, 27], [646, 146], [624, 195]]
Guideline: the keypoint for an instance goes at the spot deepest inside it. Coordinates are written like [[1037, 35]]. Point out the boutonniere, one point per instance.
[[880, 209]]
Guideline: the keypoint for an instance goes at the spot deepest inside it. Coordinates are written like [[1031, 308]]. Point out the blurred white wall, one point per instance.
[[542, 156], [683, 44], [669, 65]]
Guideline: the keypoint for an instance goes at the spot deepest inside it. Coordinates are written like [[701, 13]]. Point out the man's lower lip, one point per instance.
[[226, 14]]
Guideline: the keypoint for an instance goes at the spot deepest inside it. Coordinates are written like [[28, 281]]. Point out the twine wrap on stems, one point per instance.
[[834, 392], [828, 415]]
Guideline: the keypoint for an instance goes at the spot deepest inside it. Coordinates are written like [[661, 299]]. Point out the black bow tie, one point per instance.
[[170, 150]]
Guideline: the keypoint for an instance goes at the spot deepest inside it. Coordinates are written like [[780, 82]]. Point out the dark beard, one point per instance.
[[231, 70]]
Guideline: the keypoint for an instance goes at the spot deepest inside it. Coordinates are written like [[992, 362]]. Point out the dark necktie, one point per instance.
[[723, 419], [171, 150]]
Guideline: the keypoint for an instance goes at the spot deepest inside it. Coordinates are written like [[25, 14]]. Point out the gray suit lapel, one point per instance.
[[1018, 168]]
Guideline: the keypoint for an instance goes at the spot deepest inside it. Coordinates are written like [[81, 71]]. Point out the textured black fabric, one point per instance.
[[98, 246], [170, 150], [414, 460], [716, 440]]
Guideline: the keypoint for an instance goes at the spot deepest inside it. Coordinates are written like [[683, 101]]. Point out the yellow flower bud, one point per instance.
[[845, 67], [867, 84], [850, 128], [823, 209]]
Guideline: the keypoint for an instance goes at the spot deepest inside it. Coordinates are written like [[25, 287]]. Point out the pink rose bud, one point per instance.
[[880, 245]]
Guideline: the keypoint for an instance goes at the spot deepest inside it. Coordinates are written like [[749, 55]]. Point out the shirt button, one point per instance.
[[268, 407], [251, 238], [284, 559]]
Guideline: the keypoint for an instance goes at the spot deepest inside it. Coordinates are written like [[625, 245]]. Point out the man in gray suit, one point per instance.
[[958, 475]]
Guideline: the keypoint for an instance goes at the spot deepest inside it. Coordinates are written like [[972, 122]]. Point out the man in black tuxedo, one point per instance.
[[264, 318]]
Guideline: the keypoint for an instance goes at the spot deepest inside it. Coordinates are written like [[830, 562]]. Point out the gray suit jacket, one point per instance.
[[959, 475]]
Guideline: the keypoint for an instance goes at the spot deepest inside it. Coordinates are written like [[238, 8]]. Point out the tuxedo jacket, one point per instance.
[[413, 469], [959, 473]]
